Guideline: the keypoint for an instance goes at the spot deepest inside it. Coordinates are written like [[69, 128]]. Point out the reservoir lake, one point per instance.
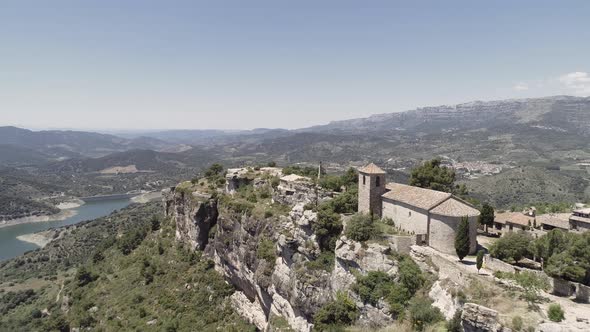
[[11, 247]]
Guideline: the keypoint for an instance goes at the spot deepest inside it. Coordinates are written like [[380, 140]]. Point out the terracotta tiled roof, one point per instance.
[[371, 169], [421, 198], [517, 218], [559, 220], [455, 208]]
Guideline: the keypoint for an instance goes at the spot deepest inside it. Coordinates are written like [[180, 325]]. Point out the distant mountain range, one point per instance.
[[52, 144], [559, 113], [548, 137]]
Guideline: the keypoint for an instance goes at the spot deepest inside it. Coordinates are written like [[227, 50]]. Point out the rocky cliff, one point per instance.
[[267, 259]]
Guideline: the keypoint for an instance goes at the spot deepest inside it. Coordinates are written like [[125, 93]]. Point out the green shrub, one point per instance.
[[361, 227], [36, 313], [512, 247], [328, 227], [325, 261], [336, 314], [517, 323], [11, 300], [455, 323], [373, 287], [410, 275], [346, 202], [422, 313], [239, 206], [378, 285], [266, 250], [571, 258], [85, 276], [155, 223], [213, 170], [555, 313], [131, 240]]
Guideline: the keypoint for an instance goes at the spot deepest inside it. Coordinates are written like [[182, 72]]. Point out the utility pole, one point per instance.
[[317, 184]]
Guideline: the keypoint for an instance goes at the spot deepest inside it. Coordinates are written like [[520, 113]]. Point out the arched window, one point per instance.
[[364, 180], [378, 182]]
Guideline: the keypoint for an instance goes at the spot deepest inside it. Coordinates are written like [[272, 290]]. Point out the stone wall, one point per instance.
[[443, 230], [567, 288], [583, 293], [494, 264], [426, 257], [401, 243], [563, 287], [407, 217]]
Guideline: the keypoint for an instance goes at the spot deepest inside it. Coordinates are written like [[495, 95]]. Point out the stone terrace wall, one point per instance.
[[494, 264], [401, 243]]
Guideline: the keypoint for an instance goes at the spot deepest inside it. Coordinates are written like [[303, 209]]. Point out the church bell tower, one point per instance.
[[371, 187]]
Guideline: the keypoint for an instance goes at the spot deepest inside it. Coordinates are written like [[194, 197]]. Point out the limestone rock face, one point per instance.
[[249, 310], [288, 285], [351, 255], [194, 216], [477, 318], [443, 300]]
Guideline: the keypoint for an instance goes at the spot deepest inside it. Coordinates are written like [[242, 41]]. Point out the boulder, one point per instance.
[[476, 318]]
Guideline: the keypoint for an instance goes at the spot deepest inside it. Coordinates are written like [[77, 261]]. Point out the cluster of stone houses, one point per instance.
[[577, 221]]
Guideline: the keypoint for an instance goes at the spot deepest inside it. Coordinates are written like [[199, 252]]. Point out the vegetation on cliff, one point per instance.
[[143, 280]]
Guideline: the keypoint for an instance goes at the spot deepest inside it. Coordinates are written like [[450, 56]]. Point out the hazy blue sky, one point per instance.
[[246, 64]]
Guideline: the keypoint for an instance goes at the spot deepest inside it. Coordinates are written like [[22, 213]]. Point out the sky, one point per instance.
[[251, 64]]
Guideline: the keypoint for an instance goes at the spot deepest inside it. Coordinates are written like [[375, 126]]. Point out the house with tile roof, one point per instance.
[[433, 216], [506, 222], [580, 220]]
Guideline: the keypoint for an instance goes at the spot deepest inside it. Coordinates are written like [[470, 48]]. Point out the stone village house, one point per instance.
[[433, 216]]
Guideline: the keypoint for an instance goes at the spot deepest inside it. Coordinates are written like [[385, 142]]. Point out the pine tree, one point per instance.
[[487, 216], [479, 260], [462, 238]]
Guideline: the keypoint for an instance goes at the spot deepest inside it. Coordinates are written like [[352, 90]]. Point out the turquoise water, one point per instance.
[[11, 247]]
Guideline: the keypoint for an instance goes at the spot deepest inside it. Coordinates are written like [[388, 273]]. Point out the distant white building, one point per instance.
[[432, 215]]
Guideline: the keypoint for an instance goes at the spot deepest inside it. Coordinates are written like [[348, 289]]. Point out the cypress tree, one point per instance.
[[462, 238], [479, 260]]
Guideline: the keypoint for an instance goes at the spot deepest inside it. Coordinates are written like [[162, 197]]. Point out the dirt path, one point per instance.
[[59, 293]]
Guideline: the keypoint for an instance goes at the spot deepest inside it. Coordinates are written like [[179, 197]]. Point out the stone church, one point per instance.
[[433, 216]]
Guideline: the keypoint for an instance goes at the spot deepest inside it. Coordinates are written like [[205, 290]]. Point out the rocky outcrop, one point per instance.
[[283, 278], [477, 318], [443, 300], [353, 255], [283, 286], [195, 214]]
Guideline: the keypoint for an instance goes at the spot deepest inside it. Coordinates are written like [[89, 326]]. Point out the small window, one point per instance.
[[364, 180], [378, 182]]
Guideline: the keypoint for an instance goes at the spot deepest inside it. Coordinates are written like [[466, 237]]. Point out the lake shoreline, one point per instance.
[[40, 239], [62, 215]]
